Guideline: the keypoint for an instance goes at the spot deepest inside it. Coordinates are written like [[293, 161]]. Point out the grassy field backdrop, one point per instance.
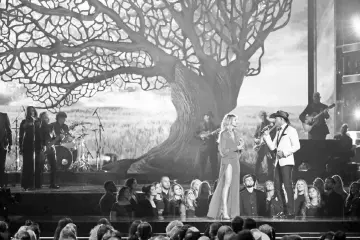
[[129, 133]]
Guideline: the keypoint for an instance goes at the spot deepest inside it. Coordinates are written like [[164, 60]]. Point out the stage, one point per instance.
[[80, 202]]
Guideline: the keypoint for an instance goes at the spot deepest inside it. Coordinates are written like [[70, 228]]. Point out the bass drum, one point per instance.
[[64, 157]]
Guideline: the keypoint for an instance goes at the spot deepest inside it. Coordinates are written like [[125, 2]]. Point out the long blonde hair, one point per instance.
[[318, 196], [339, 185], [225, 123], [306, 191]]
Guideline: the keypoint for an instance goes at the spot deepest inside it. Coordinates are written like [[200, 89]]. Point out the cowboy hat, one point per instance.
[[281, 114]]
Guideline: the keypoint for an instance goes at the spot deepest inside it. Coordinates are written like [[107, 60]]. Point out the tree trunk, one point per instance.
[[192, 96]]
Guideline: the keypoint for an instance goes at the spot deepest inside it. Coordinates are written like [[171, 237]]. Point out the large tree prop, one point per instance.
[[62, 50]]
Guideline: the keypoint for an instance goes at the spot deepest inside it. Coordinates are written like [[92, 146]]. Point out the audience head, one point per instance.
[[204, 190], [158, 188], [339, 185], [344, 128], [68, 232], [61, 224], [183, 230], [195, 185], [329, 184], [131, 183], [104, 221], [189, 198], [314, 193], [249, 180], [213, 229], [245, 235], [354, 189], [123, 194], [171, 225], [165, 183], [249, 224], [258, 235], [237, 224], [229, 235], [192, 233], [222, 231], [110, 186], [176, 191], [23, 234], [339, 235], [133, 228], [327, 236], [149, 191], [301, 188], [35, 228], [319, 184], [269, 186], [144, 231], [268, 230]]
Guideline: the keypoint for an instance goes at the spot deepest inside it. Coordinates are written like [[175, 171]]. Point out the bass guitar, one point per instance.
[[313, 119]]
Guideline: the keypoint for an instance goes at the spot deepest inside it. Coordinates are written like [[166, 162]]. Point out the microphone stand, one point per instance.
[[99, 147]]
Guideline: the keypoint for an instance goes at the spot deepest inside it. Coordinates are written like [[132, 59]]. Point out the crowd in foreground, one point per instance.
[[320, 199], [239, 229]]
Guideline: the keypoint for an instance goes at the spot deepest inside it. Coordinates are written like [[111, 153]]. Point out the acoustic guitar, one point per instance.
[[206, 134], [313, 119]]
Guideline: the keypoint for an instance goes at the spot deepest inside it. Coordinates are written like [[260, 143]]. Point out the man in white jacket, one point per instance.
[[285, 143]]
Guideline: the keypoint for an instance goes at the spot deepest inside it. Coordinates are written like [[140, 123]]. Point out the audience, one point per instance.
[[202, 200], [237, 224], [249, 224], [68, 232], [320, 185], [165, 186], [122, 207], [245, 235], [176, 199], [339, 186], [61, 224], [274, 205], [333, 202], [144, 231], [147, 207], [133, 229], [312, 208], [268, 230], [222, 231], [131, 183], [195, 186], [301, 196], [108, 199], [159, 202], [252, 201], [352, 203], [187, 208], [213, 230]]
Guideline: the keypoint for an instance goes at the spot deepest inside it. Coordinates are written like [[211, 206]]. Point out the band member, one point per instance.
[[5, 144], [225, 200], [320, 130], [30, 146], [286, 143], [208, 148], [263, 151]]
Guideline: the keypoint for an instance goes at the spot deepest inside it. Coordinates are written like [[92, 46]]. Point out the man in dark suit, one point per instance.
[[252, 200], [319, 131], [333, 203], [5, 143]]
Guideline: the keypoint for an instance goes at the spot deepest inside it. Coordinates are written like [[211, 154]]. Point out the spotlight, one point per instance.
[[356, 24], [357, 114]]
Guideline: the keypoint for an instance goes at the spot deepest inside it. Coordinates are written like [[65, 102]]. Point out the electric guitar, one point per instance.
[[206, 134], [313, 119]]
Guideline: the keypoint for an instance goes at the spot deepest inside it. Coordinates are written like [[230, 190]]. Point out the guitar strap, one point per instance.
[[282, 134]]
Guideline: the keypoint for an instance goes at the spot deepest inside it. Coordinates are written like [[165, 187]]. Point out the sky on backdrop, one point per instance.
[[282, 81]]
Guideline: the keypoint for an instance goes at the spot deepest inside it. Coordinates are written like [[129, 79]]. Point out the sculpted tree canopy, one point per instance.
[[63, 50]]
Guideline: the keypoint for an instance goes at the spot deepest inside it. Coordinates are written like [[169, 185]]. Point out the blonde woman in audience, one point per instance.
[[187, 208], [274, 205], [176, 199], [301, 196], [195, 186], [339, 186], [313, 207]]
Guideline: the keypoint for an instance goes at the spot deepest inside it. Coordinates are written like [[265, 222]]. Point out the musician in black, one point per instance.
[[319, 131], [264, 151], [5, 143], [30, 146], [208, 147]]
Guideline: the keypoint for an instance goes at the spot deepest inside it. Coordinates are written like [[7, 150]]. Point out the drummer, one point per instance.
[[59, 128]]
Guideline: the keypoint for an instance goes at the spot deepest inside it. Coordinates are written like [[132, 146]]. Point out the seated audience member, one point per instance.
[[339, 186], [105, 232], [172, 224], [352, 203], [215, 185], [245, 235], [187, 208], [202, 200], [252, 201], [333, 202], [165, 192], [133, 229], [237, 224], [268, 230], [313, 207], [183, 230], [147, 207], [144, 231], [274, 205], [68, 232], [108, 199], [175, 200], [301, 196], [159, 202], [122, 207], [339, 235], [249, 224], [131, 183], [222, 231], [195, 186], [192, 233], [258, 235], [61, 224]]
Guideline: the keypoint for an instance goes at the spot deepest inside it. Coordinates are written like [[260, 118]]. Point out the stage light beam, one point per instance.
[[356, 24], [357, 114]]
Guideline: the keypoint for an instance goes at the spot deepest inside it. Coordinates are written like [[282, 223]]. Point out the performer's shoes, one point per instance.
[[279, 215], [54, 187], [223, 217]]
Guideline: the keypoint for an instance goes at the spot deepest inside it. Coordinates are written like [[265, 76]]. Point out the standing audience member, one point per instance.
[[333, 202], [176, 198], [122, 207], [131, 183], [144, 231], [301, 196], [268, 230], [187, 208], [313, 207], [195, 186], [339, 186], [274, 205], [252, 201], [237, 224], [159, 202], [108, 199], [147, 206], [165, 186], [249, 224], [133, 229], [202, 200], [61, 224], [352, 203]]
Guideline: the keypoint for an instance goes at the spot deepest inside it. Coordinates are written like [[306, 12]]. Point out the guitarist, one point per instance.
[[208, 147], [319, 131], [264, 149]]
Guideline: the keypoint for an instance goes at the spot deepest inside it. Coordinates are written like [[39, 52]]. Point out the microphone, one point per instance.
[[95, 111]]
